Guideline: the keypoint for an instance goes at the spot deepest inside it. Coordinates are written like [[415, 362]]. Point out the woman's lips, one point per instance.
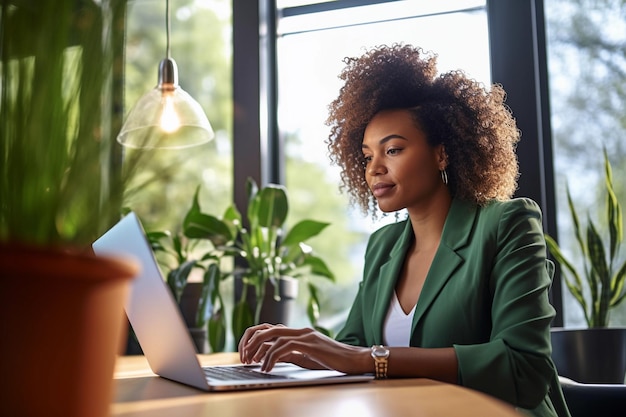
[[381, 189]]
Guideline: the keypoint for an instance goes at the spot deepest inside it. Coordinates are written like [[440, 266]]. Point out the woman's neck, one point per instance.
[[428, 220]]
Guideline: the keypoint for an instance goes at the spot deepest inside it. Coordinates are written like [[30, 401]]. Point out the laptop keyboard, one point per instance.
[[238, 373]]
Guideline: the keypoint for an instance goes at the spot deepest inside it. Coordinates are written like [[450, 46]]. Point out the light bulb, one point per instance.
[[169, 122]]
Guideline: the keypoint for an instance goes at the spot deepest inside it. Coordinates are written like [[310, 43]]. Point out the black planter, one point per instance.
[[275, 310], [200, 339], [590, 356], [279, 310], [189, 301]]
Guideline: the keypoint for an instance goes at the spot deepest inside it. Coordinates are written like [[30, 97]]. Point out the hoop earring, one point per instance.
[[444, 176]]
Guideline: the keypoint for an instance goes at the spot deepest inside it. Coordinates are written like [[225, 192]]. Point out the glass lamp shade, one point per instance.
[[166, 117]]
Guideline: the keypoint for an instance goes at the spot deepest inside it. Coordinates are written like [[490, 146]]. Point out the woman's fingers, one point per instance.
[[253, 345], [282, 349], [261, 351], [285, 345], [244, 356], [270, 344]]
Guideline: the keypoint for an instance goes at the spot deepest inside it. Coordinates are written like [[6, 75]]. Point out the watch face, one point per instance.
[[380, 352]]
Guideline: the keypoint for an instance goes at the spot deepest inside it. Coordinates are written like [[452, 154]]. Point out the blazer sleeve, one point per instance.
[[515, 363]]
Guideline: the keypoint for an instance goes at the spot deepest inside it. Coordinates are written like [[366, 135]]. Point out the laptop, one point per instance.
[[164, 338]]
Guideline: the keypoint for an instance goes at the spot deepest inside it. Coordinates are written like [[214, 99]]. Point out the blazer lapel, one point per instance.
[[456, 234], [389, 273]]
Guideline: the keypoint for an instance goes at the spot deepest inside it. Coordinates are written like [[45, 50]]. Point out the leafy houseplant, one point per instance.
[[61, 186], [594, 354], [271, 252], [604, 277], [267, 252]]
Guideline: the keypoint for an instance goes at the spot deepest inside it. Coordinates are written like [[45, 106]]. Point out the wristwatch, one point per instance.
[[380, 355]]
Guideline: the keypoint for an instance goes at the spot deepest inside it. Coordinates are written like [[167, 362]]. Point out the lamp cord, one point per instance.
[[167, 28]]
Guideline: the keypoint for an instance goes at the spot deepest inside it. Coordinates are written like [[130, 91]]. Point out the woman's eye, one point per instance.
[[393, 151], [367, 158]]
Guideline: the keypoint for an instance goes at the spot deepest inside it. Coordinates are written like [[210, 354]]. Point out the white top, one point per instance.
[[397, 328]]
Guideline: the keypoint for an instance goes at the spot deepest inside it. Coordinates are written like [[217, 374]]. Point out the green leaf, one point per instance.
[[555, 250], [313, 306], [177, 244], [177, 278], [210, 282], [617, 286], [230, 250], [313, 310], [217, 331], [155, 239], [614, 213], [217, 321], [243, 318], [323, 330], [198, 225], [302, 231], [599, 278], [319, 267], [251, 188], [157, 236], [271, 206], [232, 219], [576, 223], [195, 202]]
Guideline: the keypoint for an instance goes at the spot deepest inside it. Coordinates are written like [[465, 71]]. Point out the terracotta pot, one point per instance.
[[62, 325]]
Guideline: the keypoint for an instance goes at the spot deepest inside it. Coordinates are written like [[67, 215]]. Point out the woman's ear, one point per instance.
[[442, 157]]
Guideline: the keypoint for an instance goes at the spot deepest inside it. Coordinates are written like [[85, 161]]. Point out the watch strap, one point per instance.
[[380, 355]]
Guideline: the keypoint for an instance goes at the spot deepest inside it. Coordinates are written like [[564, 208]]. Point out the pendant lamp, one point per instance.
[[166, 116]]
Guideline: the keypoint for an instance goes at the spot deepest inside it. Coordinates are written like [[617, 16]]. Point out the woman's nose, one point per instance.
[[375, 167]]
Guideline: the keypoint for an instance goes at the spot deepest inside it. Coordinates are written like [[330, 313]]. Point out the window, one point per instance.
[[587, 70]]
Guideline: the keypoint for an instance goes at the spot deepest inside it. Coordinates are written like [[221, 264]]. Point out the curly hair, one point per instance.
[[474, 125]]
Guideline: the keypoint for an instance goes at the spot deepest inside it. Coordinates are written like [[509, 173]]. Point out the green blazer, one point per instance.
[[486, 295]]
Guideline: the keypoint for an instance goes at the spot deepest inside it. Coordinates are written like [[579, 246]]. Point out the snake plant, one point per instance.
[[599, 285]]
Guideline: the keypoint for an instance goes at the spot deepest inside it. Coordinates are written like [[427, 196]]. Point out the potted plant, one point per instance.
[[596, 354], [270, 261], [61, 307], [274, 256]]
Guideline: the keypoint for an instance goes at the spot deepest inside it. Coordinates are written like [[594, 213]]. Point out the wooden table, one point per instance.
[[138, 392]]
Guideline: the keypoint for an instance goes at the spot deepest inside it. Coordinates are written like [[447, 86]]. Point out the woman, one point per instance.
[[457, 292]]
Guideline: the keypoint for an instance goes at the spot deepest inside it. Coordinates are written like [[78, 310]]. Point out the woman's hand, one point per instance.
[[268, 344]]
